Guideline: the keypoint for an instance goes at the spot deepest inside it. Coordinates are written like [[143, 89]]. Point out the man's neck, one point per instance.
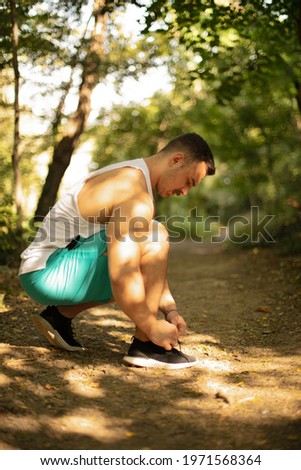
[[156, 166]]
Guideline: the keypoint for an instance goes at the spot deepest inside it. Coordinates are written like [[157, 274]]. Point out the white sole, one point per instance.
[[52, 335], [152, 363]]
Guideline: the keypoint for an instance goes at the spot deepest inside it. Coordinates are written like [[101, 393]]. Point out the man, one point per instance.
[[100, 243]]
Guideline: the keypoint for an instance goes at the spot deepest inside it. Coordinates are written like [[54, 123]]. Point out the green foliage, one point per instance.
[[6, 131], [44, 29], [236, 43], [248, 55], [11, 241], [31, 146], [255, 142]]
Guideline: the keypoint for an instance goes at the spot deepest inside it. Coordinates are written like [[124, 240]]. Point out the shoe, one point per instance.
[[57, 329], [148, 354]]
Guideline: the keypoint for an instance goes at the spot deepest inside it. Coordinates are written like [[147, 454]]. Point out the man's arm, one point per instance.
[[169, 309], [124, 242]]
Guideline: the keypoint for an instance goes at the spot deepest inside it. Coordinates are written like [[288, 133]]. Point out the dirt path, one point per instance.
[[243, 311]]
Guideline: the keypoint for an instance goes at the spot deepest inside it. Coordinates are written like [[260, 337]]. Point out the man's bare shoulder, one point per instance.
[[127, 179], [115, 188], [132, 179], [134, 197]]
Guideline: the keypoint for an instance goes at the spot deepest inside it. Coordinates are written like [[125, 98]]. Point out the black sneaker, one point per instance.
[[56, 328], [148, 354]]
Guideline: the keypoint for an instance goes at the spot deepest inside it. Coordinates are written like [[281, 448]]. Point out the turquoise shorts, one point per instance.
[[73, 275]]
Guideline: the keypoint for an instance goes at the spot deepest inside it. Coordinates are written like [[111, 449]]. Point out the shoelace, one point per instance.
[[179, 342]]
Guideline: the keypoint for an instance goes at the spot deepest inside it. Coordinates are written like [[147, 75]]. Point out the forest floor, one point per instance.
[[243, 312]]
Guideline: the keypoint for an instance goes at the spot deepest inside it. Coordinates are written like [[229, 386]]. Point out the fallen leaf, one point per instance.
[[264, 309], [48, 387], [220, 396]]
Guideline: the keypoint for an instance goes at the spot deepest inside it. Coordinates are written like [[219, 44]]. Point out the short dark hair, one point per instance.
[[194, 147]]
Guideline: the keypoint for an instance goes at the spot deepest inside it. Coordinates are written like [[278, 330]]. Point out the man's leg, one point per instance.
[[55, 323], [79, 276], [142, 352], [71, 311], [154, 269]]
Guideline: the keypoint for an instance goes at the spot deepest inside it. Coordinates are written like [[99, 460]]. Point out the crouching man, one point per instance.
[[100, 243]]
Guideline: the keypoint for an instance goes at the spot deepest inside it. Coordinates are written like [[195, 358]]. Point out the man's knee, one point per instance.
[[158, 239]]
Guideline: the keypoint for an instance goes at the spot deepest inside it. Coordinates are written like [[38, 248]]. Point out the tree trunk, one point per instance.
[[66, 88], [298, 95], [299, 22], [297, 83], [16, 143], [64, 149]]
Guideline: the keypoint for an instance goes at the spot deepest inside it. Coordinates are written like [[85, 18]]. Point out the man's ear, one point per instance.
[[177, 160]]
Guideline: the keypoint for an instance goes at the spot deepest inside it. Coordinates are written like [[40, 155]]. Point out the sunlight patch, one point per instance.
[[112, 322], [4, 380], [199, 339], [92, 423], [18, 364], [212, 365], [81, 383], [4, 348], [26, 423]]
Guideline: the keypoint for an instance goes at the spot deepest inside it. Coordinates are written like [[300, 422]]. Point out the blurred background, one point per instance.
[[88, 83]]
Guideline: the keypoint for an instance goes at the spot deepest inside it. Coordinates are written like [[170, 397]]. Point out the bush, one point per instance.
[[11, 239]]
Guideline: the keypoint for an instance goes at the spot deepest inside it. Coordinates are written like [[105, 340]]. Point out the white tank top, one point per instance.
[[63, 222]]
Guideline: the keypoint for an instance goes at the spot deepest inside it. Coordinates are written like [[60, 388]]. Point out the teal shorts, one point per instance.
[[73, 275]]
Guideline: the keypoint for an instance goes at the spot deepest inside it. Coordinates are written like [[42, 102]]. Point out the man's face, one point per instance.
[[178, 179]]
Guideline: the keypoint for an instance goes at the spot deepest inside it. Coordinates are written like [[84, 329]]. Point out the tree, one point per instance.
[[95, 65], [237, 41], [15, 153], [37, 40], [77, 122]]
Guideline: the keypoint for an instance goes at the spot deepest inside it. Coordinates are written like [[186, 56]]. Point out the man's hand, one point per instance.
[[163, 334], [175, 319]]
